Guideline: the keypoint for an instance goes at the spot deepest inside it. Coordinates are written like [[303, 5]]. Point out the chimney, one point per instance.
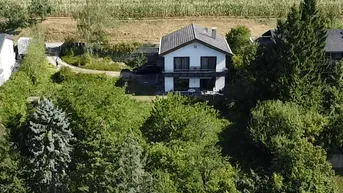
[[206, 30], [214, 32]]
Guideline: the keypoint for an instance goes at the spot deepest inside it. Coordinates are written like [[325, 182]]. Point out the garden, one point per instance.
[[115, 57]]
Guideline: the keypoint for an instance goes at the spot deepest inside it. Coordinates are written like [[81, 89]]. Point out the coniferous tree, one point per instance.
[[49, 145], [296, 63], [131, 176]]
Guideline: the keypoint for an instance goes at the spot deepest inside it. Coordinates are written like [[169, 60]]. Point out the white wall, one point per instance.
[[194, 51], [168, 84], [7, 60], [220, 83]]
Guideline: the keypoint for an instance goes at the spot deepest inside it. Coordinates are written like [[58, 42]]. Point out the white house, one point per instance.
[[194, 60], [7, 57]]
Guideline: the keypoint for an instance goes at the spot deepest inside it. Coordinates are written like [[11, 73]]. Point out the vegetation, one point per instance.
[[16, 14], [89, 62], [49, 147], [282, 118], [167, 8]]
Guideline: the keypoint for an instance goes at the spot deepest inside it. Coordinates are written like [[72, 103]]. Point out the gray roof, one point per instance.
[[334, 41], [2, 39], [189, 34]]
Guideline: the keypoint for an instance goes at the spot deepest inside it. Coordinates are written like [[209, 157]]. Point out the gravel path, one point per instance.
[[52, 60]]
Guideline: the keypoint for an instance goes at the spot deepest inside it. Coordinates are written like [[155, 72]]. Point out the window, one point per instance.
[[181, 84], [208, 63], [181, 63], [207, 84]]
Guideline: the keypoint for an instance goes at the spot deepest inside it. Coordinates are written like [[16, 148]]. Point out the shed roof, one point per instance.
[[334, 41], [189, 34]]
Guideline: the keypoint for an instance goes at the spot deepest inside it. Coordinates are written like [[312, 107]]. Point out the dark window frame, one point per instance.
[[210, 84], [177, 86], [184, 66], [211, 63]]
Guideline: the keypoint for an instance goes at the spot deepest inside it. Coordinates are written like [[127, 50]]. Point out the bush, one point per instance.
[[125, 48], [85, 59], [138, 61]]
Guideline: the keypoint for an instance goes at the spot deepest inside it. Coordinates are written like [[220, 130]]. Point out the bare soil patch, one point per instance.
[[150, 30]]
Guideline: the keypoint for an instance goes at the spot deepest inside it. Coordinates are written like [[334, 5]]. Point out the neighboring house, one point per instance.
[[7, 57], [23, 44], [334, 44], [333, 48], [194, 60]]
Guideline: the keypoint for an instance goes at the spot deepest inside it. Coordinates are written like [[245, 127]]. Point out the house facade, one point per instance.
[[194, 60], [7, 57]]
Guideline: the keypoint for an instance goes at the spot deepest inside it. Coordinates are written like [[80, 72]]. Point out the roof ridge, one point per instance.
[[195, 37]]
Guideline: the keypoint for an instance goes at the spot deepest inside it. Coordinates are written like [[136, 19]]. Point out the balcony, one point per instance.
[[195, 72]]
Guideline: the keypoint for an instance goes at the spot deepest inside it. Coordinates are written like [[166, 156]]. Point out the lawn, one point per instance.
[[339, 180]]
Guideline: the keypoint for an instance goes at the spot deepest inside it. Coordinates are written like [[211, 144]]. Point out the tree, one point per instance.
[[49, 143], [289, 133], [39, 8], [131, 176], [238, 38], [183, 154], [11, 179], [91, 22], [13, 15], [291, 69]]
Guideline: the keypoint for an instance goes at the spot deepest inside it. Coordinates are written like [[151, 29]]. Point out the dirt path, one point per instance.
[[52, 60]]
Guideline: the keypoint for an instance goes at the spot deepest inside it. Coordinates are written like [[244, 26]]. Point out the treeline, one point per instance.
[[15, 14]]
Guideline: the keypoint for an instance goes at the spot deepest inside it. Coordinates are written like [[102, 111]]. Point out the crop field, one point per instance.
[[179, 8]]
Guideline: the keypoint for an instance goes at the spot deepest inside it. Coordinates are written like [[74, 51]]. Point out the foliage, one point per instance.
[[91, 23], [272, 119], [13, 15], [35, 62], [39, 8], [291, 69], [183, 156], [238, 38], [138, 61], [131, 176], [167, 8], [90, 62], [288, 133], [49, 146], [11, 179], [101, 116]]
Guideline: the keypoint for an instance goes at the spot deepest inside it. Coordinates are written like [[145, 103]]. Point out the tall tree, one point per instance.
[[92, 20], [131, 176], [39, 8], [296, 64], [49, 145]]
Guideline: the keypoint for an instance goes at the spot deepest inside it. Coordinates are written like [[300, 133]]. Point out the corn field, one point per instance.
[[175, 8]]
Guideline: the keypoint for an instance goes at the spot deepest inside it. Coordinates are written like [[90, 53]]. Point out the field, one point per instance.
[[150, 30], [177, 8]]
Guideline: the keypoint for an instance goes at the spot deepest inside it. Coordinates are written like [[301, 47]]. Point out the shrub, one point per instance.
[[85, 59], [138, 61]]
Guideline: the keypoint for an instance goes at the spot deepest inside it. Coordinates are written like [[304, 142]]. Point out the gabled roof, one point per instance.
[[189, 34], [334, 41], [2, 39]]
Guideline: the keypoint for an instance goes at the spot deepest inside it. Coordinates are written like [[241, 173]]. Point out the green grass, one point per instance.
[[168, 8], [94, 63]]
